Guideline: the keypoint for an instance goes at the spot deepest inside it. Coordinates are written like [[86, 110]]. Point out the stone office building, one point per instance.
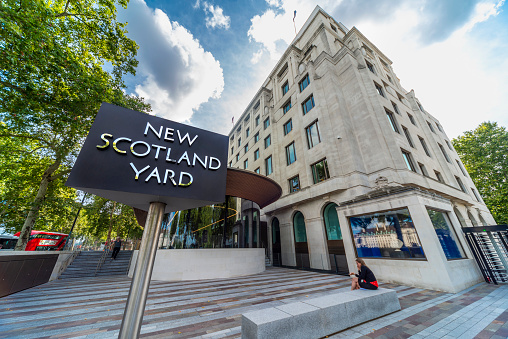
[[366, 171]]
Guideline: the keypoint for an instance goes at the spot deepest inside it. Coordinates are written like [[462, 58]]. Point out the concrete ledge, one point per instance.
[[318, 317]]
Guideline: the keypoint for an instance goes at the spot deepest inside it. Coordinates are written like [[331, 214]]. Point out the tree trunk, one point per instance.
[[111, 223], [36, 206]]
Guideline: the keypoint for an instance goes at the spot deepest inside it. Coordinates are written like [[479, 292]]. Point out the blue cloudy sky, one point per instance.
[[201, 62]]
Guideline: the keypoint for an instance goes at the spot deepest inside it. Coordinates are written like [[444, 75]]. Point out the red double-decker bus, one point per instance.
[[45, 241]]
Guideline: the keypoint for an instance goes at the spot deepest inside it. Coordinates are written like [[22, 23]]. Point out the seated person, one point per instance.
[[365, 278]]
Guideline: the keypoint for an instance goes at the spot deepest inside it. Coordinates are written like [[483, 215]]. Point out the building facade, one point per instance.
[[366, 171]]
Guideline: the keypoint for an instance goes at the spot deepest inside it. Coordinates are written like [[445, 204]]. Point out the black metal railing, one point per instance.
[[489, 245]]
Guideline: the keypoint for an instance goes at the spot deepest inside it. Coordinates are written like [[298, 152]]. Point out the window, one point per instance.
[[304, 83], [408, 137], [247, 132], [283, 70], [439, 128], [230, 164], [431, 128], [268, 141], [449, 146], [257, 120], [237, 156], [409, 162], [239, 141], [320, 171], [266, 123], [299, 227], [401, 99], [246, 164], [285, 88], [461, 168], [461, 185], [232, 150], [444, 153], [256, 106], [288, 126], [379, 90], [423, 169], [420, 106], [424, 145], [312, 132], [389, 234], [370, 67], [389, 79], [290, 153], [411, 119], [286, 107], [294, 184], [256, 137], [268, 165], [476, 195], [308, 104], [258, 170], [392, 121], [256, 154], [439, 177], [331, 220], [395, 108], [447, 237], [246, 148], [333, 27]]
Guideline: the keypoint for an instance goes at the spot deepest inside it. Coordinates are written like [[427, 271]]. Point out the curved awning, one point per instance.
[[242, 184], [252, 186]]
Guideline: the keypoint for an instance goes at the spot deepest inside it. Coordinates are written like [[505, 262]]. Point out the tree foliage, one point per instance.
[[104, 217], [59, 61], [484, 152]]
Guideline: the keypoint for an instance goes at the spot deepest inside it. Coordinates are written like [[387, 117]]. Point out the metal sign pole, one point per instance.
[[136, 301]]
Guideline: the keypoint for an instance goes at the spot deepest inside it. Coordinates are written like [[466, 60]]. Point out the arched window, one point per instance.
[[473, 220], [332, 222], [460, 217], [484, 223], [275, 231], [299, 227]]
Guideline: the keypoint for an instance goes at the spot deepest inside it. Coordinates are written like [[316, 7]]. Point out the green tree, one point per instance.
[[106, 219], [20, 168], [53, 77], [484, 152]]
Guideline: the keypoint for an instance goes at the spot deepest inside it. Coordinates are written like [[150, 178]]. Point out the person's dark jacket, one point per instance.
[[366, 274], [118, 244]]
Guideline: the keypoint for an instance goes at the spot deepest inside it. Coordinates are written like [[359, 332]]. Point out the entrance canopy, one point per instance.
[[242, 184]]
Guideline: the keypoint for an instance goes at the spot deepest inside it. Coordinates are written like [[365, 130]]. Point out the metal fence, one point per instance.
[[489, 245]]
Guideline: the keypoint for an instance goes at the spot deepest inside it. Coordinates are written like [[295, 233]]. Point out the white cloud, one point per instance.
[[217, 19], [179, 74], [430, 42], [274, 29]]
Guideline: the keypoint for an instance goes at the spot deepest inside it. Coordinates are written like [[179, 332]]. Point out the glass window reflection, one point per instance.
[[447, 238], [386, 235]]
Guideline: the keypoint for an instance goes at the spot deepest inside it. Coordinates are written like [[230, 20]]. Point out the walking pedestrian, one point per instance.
[[116, 247]]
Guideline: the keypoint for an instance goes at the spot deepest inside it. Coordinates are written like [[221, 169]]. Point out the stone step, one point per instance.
[[85, 264]]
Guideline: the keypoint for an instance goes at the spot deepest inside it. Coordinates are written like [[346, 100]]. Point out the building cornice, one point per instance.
[[354, 31]]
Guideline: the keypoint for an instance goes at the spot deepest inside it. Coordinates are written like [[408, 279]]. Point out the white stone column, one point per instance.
[[431, 246], [316, 241], [287, 242], [347, 238]]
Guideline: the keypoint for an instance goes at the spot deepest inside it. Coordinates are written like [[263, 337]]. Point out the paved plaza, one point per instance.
[[93, 307]]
